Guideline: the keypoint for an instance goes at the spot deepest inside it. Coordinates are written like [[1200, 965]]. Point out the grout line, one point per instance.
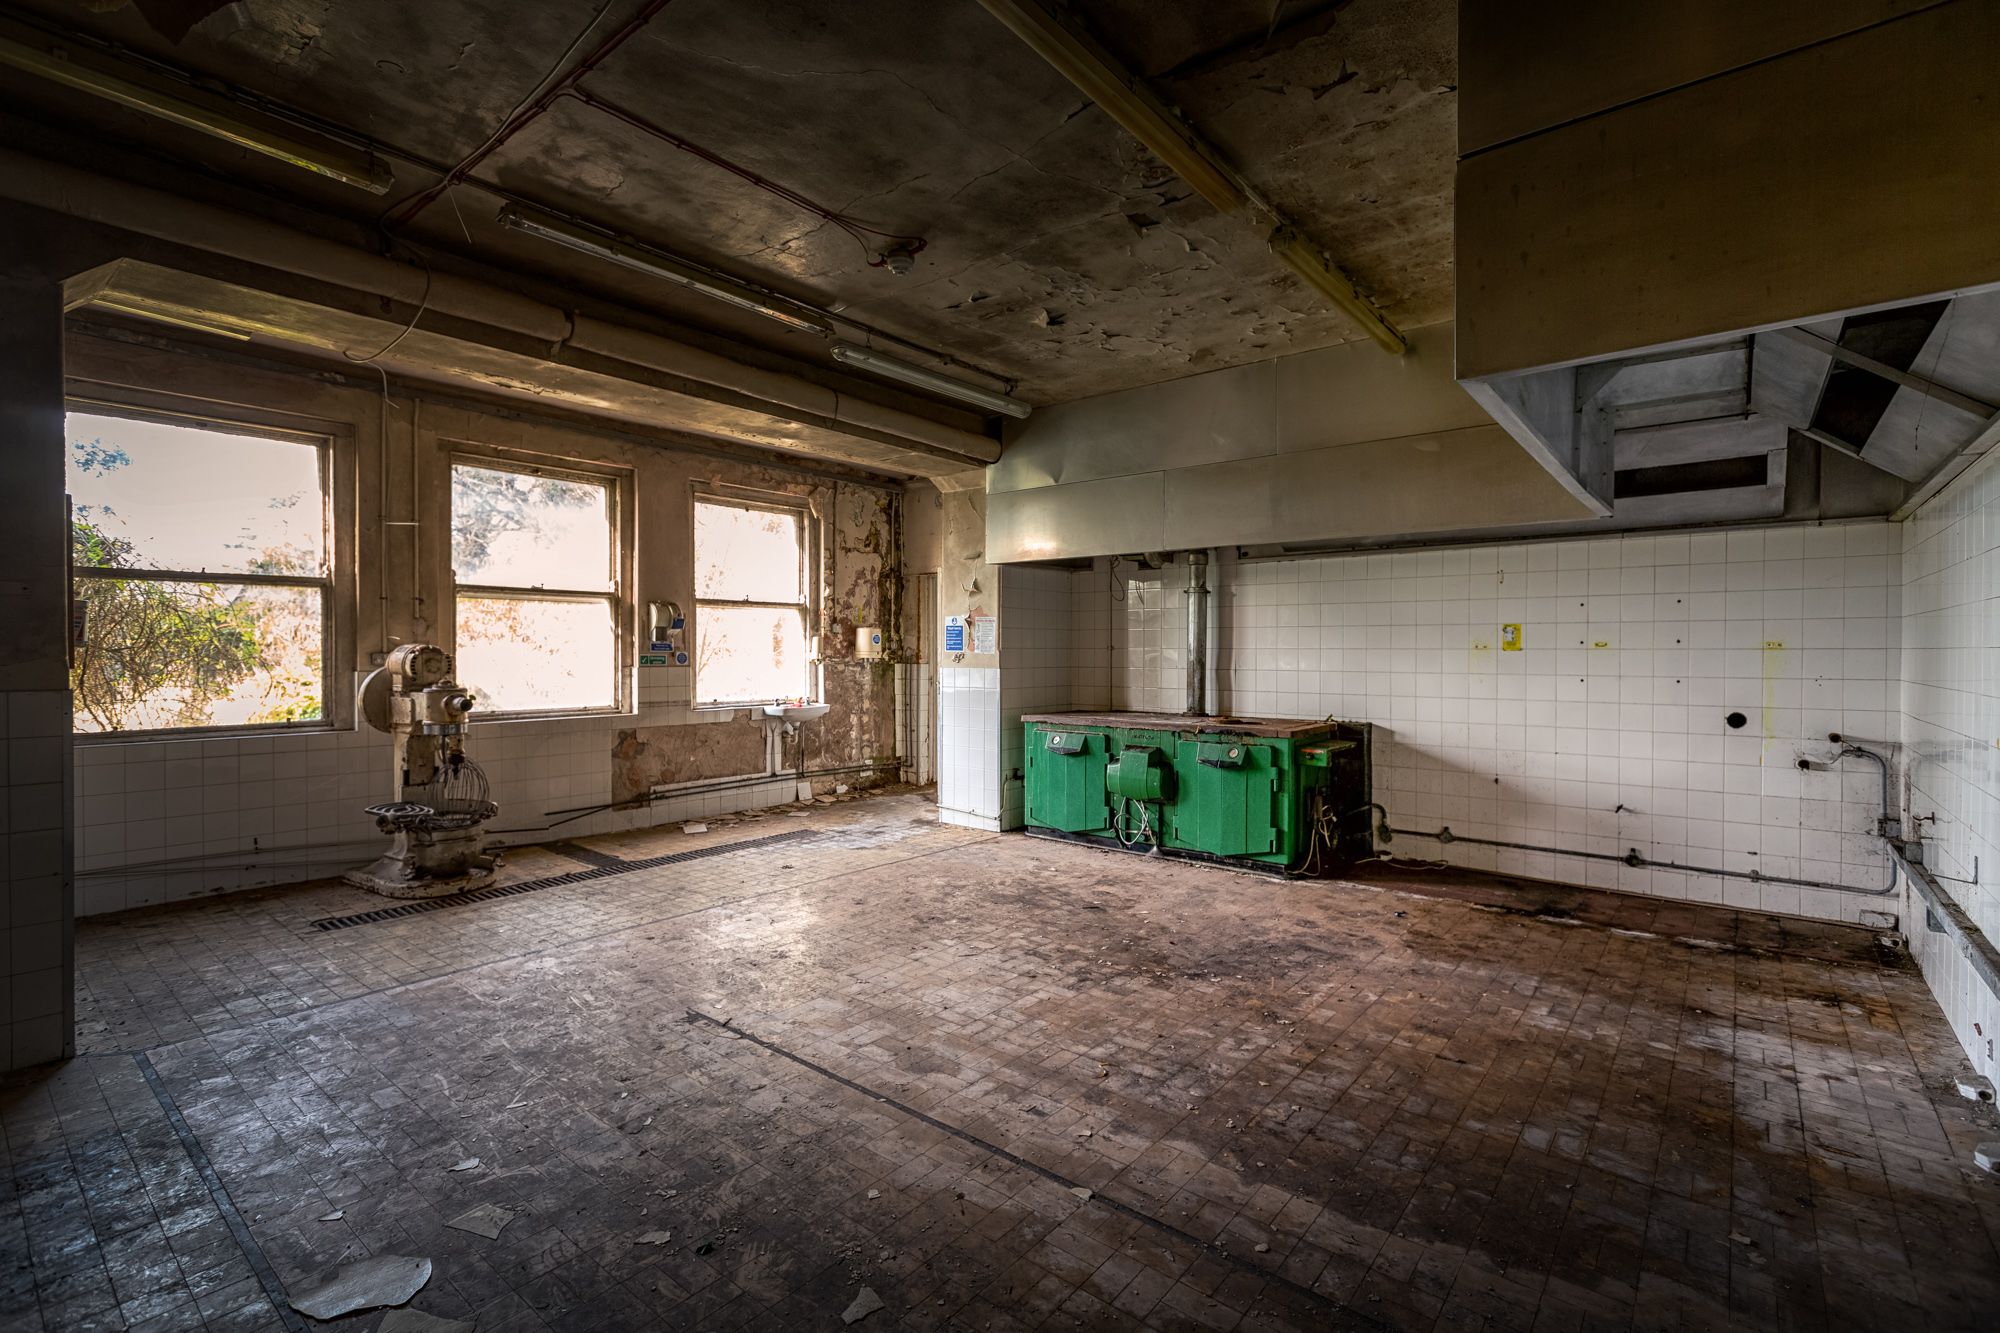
[[267, 1277], [604, 866], [589, 856], [1096, 1196], [208, 1034]]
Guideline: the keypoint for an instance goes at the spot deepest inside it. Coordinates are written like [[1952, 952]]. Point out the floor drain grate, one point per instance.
[[611, 868]]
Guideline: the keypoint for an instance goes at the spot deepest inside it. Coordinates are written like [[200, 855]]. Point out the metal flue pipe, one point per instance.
[[1197, 634]]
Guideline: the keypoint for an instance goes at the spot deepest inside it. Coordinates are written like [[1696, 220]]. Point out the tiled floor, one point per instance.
[[1003, 1083]]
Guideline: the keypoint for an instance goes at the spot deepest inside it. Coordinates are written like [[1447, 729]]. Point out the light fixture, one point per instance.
[[1080, 60], [867, 358], [656, 265], [1064, 42], [23, 49], [119, 306], [1306, 261]]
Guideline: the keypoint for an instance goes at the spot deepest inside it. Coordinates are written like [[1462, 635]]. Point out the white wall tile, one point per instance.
[[1949, 697]]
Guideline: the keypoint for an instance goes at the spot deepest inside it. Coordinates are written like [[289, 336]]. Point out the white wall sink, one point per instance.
[[795, 712]]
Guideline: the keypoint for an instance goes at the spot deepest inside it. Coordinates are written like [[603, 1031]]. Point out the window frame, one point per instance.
[[613, 480], [329, 446], [799, 508]]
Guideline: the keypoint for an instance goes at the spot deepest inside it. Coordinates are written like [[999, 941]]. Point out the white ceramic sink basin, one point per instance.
[[795, 712]]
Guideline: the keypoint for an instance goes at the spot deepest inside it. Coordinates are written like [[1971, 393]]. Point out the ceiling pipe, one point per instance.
[[235, 102], [166, 217]]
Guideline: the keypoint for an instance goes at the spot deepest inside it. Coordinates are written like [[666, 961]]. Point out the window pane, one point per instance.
[[154, 496], [526, 655], [746, 555], [515, 530], [746, 654], [196, 655]]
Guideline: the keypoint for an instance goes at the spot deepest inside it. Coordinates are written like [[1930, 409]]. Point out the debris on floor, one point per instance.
[[653, 1238], [386, 1279], [1081, 1193], [866, 1302], [488, 1220], [416, 1321], [335, 1215], [468, 1164], [694, 828]]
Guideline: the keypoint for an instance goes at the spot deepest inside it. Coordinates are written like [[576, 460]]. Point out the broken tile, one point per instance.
[[866, 1302], [486, 1219], [386, 1279], [416, 1321]]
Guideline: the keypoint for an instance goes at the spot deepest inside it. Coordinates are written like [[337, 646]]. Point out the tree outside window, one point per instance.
[[752, 603], [201, 575], [534, 558]]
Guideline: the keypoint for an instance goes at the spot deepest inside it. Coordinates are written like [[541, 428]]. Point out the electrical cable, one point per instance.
[[525, 112], [247, 858], [573, 813], [912, 245], [423, 304]]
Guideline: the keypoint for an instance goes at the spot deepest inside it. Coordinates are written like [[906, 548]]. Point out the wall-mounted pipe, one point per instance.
[[84, 195], [1971, 940], [1197, 634], [1635, 858], [1888, 824]]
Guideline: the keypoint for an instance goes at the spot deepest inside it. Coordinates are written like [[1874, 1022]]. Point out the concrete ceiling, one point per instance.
[[1060, 254]]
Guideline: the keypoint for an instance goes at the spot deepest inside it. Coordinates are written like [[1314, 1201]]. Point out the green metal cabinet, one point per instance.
[[1065, 781], [1230, 794], [1250, 791]]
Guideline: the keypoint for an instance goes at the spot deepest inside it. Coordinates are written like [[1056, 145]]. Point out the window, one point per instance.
[[535, 565], [201, 572], [751, 603]]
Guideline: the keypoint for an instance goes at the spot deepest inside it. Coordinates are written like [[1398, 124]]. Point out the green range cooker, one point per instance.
[[1273, 794]]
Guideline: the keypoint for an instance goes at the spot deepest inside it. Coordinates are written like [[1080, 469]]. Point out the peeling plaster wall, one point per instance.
[[178, 817], [948, 537]]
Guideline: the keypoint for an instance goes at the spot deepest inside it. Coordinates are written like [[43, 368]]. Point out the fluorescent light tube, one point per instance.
[[156, 96], [867, 358], [656, 265], [1308, 263], [1079, 59], [121, 307]]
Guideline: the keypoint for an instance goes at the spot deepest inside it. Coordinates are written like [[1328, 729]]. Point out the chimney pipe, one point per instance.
[[1197, 634]]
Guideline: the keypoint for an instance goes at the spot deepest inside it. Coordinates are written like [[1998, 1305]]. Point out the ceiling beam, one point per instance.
[[1838, 445], [1069, 48], [1954, 465], [1932, 388]]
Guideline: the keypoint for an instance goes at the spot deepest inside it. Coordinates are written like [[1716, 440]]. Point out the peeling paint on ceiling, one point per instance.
[[1060, 253]]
